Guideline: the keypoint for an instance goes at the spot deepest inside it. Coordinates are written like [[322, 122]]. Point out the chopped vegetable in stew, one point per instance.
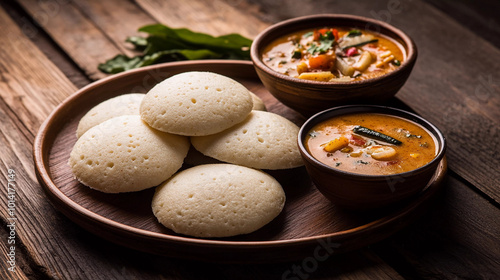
[[371, 144], [334, 55]]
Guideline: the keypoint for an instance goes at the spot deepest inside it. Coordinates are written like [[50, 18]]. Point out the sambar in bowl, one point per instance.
[[334, 54], [316, 62], [366, 156]]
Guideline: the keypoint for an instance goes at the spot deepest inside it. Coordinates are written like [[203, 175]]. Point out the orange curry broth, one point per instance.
[[278, 54], [417, 149]]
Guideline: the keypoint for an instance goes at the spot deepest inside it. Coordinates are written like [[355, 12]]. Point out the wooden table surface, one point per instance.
[[51, 48]]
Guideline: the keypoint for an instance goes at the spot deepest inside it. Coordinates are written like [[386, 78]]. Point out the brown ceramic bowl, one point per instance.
[[309, 97], [358, 191]]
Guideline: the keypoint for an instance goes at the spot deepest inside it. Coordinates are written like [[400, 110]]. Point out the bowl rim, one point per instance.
[[255, 48], [323, 115]]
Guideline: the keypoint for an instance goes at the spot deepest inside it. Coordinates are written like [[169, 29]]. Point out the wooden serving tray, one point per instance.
[[309, 226]]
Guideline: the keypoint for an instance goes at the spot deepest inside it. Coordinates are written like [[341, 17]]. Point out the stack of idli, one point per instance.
[[138, 141]]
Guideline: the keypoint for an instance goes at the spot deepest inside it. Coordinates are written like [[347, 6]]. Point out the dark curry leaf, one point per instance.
[[354, 33]]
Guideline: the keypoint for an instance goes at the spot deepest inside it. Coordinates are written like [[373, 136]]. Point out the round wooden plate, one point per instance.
[[309, 226]]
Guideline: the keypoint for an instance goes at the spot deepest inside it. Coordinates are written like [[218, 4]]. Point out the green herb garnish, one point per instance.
[[354, 33], [323, 46], [327, 36], [308, 34], [297, 54], [164, 44], [325, 43]]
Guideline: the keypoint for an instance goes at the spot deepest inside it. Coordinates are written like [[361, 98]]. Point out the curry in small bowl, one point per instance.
[[365, 156], [334, 54], [371, 144]]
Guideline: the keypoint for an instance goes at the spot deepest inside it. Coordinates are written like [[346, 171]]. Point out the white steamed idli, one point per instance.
[[126, 104], [218, 200], [196, 103], [264, 140], [124, 154]]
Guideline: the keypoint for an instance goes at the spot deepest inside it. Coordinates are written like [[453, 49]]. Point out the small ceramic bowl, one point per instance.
[[309, 97], [359, 191]]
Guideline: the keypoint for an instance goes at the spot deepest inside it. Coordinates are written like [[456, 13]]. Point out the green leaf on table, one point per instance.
[[140, 43], [119, 63], [164, 44]]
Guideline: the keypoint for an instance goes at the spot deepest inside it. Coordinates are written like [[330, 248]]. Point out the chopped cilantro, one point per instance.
[[308, 34], [323, 46]]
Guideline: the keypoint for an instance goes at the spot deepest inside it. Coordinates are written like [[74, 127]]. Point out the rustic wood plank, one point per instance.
[[28, 78], [85, 43], [454, 83], [458, 94], [118, 19], [45, 44], [102, 30], [10, 267], [355, 265], [480, 16], [31, 86], [218, 17], [458, 239]]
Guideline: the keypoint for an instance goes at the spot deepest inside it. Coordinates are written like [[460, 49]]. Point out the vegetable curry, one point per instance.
[[334, 55], [371, 144]]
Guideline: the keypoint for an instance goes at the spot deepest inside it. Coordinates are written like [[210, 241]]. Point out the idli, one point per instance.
[[196, 103], [126, 104], [124, 154], [264, 140], [218, 200]]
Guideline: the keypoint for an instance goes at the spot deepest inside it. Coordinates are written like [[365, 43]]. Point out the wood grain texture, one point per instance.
[[14, 270], [29, 93], [117, 19], [481, 18], [460, 96], [80, 38], [31, 87], [462, 227], [218, 17], [45, 44]]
